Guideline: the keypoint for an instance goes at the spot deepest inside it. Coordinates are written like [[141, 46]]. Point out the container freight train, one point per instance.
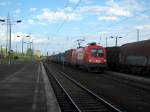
[[132, 57], [91, 57]]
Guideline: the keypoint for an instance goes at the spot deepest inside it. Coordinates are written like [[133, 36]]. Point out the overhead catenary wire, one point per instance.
[[66, 5], [123, 20], [96, 28], [67, 17], [113, 24], [62, 24], [127, 18]]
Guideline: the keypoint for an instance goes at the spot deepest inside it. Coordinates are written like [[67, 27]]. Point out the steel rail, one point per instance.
[[69, 97], [107, 104], [103, 102], [127, 79]]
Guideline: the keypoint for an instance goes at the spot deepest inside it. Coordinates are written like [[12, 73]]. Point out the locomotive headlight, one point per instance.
[[90, 60]]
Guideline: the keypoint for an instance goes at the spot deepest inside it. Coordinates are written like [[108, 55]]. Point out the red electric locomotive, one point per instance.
[[92, 57]]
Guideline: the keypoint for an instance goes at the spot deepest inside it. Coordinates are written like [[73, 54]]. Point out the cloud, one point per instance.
[[3, 35], [17, 11], [53, 16], [33, 37], [84, 1], [68, 9], [131, 5], [93, 9], [144, 26], [13, 36], [41, 40], [74, 1], [89, 1], [22, 35], [119, 11], [142, 17], [125, 8], [117, 8], [32, 9], [35, 22], [31, 21], [108, 18]]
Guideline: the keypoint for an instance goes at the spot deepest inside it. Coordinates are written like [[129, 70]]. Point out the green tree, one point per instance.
[[16, 57], [29, 52]]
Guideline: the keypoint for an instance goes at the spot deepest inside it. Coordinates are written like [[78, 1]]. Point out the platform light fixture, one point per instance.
[[116, 38]]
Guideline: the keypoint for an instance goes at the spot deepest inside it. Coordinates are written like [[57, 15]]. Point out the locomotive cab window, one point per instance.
[[97, 52]]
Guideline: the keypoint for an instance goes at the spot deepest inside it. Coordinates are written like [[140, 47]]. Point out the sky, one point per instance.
[[55, 25]]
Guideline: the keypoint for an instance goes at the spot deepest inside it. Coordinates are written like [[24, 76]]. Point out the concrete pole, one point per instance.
[[32, 48], [16, 49], [9, 23], [106, 42], [7, 36], [1, 50], [116, 41], [138, 34], [22, 46]]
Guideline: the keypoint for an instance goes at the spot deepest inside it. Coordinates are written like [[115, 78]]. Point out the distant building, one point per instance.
[[37, 53]]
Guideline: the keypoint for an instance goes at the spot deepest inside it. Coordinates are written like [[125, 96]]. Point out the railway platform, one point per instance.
[[27, 90]]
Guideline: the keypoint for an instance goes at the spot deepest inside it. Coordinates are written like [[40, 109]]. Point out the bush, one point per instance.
[[16, 57]]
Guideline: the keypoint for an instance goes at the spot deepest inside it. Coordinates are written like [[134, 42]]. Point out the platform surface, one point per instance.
[[23, 90]]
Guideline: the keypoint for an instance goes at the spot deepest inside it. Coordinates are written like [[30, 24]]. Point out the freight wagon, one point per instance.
[[113, 57], [132, 57], [136, 56]]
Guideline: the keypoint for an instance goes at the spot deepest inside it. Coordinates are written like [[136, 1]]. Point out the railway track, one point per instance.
[[134, 81], [138, 82], [72, 96]]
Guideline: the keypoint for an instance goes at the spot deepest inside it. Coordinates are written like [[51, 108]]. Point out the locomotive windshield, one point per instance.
[[97, 52]]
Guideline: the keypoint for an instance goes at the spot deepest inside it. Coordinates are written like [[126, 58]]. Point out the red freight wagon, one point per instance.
[[92, 56], [73, 59], [68, 56], [136, 55]]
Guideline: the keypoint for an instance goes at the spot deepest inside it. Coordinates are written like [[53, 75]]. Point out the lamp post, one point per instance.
[[2, 20], [33, 45], [116, 37], [107, 41], [9, 23], [23, 41], [28, 44]]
